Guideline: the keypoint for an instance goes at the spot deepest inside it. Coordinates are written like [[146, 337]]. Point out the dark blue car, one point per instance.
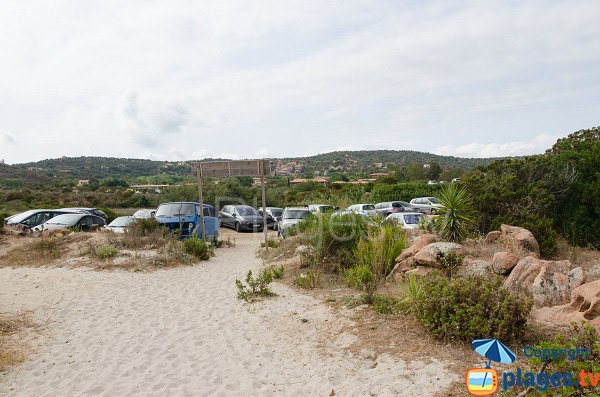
[[184, 218]]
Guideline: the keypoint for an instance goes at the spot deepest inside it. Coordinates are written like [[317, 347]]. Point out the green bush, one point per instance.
[[411, 292], [106, 251], [197, 248], [255, 286], [472, 308], [362, 278], [276, 271]]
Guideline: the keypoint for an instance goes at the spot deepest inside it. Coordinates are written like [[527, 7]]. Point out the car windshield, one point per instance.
[[326, 208], [368, 207], [434, 200], [277, 212], [122, 221], [296, 214], [21, 217], [245, 211], [412, 219], [175, 209], [400, 204], [66, 219]]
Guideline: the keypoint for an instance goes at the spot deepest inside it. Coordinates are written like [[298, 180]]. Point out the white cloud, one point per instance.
[[538, 144], [159, 79]]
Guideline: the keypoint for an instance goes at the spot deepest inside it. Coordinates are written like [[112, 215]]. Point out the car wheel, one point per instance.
[[237, 227]]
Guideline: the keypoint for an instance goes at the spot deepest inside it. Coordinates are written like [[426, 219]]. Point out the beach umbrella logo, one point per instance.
[[484, 381]]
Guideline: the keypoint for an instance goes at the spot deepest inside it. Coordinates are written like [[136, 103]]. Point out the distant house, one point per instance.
[[83, 182], [323, 181]]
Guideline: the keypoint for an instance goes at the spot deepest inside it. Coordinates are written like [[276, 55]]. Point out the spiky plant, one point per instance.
[[456, 215]]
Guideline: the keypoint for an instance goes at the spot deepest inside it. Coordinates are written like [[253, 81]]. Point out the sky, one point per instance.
[[186, 80]]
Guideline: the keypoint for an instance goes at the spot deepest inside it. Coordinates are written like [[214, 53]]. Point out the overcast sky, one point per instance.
[[242, 79]]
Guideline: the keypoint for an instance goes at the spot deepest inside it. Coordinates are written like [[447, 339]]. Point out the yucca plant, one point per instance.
[[456, 215], [412, 292]]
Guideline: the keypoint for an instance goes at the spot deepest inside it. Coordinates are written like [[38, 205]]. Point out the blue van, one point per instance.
[[184, 218]]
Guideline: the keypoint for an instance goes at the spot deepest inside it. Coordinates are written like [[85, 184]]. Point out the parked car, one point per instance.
[[321, 208], [427, 205], [367, 209], [184, 218], [390, 207], [291, 217], [144, 213], [120, 224], [273, 216], [408, 220], [91, 211], [241, 217], [33, 218], [82, 221]]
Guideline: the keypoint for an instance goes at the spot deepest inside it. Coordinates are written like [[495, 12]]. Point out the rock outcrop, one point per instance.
[[503, 262], [584, 305], [548, 282], [476, 267], [519, 241], [428, 255]]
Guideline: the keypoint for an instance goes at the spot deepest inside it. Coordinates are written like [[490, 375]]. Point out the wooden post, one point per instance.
[[199, 173], [264, 204]]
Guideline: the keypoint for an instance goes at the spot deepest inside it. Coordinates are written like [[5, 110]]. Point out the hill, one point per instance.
[[70, 168]]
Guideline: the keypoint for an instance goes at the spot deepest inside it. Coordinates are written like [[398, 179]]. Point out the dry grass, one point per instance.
[[13, 350]]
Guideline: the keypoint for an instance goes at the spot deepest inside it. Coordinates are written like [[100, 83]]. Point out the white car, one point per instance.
[[291, 217], [407, 220], [82, 221], [366, 209], [144, 213], [427, 205], [120, 224]]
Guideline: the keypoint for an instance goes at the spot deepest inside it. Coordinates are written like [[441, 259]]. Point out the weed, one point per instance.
[[106, 251], [47, 247], [271, 243], [197, 248], [255, 286], [308, 280]]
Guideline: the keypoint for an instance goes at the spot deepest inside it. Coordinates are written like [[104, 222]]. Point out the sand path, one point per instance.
[[182, 332]]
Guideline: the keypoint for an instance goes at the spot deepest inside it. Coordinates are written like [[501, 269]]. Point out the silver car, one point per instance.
[[408, 220], [427, 205], [291, 217]]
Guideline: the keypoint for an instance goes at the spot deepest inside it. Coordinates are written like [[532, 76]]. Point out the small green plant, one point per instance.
[[106, 251], [143, 227], [255, 286], [412, 293], [271, 243], [455, 215], [472, 308], [449, 262], [172, 254], [308, 279], [276, 271], [384, 304], [361, 277], [197, 248]]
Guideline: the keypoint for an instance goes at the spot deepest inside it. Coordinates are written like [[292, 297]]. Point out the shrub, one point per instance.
[[47, 247], [143, 227], [308, 279], [106, 251], [412, 292], [361, 277], [271, 243], [172, 254], [449, 262], [255, 286], [455, 217], [197, 248], [276, 271], [471, 308], [384, 304]]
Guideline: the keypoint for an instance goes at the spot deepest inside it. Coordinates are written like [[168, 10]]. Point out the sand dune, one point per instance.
[[181, 332]]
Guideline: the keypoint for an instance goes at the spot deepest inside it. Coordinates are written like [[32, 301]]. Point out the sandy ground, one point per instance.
[[181, 332]]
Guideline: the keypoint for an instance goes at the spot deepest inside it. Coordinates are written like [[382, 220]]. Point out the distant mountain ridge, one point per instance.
[[84, 167]]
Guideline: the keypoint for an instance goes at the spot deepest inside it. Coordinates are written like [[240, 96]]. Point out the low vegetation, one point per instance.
[[12, 352], [197, 248], [456, 216], [255, 287], [308, 279], [471, 308], [105, 251]]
